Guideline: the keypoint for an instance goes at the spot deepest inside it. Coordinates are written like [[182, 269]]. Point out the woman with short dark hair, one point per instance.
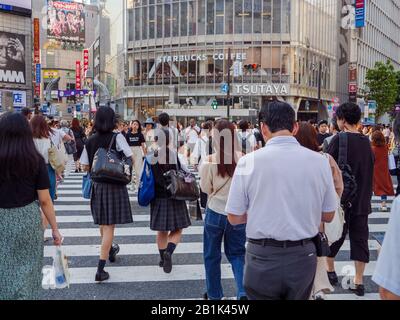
[[383, 185], [109, 203], [24, 190]]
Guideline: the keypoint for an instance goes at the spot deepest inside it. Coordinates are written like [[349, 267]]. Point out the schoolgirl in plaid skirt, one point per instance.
[[109, 203], [167, 216]]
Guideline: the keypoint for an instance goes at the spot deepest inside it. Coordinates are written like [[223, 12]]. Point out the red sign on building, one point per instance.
[[78, 79], [353, 87], [36, 41], [85, 61]]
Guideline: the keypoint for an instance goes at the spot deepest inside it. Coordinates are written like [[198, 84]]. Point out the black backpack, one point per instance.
[[349, 180]]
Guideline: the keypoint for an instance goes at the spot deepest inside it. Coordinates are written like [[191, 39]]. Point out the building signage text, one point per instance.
[[203, 57], [262, 89]]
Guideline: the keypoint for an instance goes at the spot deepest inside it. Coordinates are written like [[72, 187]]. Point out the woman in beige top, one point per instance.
[[215, 179], [307, 137]]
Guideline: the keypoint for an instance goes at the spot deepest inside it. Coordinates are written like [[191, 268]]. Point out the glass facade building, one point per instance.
[[178, 51]]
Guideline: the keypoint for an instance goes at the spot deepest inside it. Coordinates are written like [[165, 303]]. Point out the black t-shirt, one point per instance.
[[135, 139], [20, 193], [321, 137], [361, 160]]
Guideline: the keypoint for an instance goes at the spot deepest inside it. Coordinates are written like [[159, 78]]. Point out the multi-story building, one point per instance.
[[177, 54], [15, 54], [378, 40], [61, 48]]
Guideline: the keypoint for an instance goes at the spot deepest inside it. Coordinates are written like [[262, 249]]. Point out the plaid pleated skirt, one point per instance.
[[110, 204], [168, 215]]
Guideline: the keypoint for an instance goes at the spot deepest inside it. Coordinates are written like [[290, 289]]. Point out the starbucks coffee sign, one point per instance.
[[202, 57], [261, 89]]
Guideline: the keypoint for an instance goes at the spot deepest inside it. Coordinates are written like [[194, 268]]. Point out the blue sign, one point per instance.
[[360, 13], [38, 73], [224, 88]]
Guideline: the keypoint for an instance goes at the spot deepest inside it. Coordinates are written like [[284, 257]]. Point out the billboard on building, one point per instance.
[[66, 21], [23, 7], [12, 58]]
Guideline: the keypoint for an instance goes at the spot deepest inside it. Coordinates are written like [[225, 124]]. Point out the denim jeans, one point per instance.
[[216, 229], [52, 178]]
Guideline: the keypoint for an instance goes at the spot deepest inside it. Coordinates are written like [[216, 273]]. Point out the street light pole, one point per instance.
[[228, 95], [319, 84]]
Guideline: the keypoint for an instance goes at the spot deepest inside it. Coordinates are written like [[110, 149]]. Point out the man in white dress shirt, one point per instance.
[[282, 192]]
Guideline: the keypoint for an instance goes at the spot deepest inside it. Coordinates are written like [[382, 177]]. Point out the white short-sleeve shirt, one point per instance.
[[387, 271], [57, 136], [121, 143], [284, 189]]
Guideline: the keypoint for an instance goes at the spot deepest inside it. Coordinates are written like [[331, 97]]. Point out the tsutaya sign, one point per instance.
[[261, 89], [203, 57]]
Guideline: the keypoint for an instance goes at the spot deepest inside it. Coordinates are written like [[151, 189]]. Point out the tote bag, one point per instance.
[[147, 186], [334, 230], [56, 159]]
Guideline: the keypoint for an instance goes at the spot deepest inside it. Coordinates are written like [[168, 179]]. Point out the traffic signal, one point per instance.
[[252, 67]]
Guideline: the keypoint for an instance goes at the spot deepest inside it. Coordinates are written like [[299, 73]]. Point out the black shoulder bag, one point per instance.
[[349, 180], [111, 166], [182, 185]]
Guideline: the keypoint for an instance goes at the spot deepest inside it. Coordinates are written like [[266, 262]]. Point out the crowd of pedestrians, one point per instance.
[[277, 185]]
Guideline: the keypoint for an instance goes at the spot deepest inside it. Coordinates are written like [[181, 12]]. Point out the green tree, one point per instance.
[[398, 86], [382, 82]]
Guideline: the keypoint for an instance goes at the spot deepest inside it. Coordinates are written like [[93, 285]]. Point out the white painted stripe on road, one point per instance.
[[80, 199], [70, 186], [344, 296], [78, 192], [135, 231], [179, 273], [376, 198], [152, 249], [72, 181], [379, 215], [87, 218], [378, 227]]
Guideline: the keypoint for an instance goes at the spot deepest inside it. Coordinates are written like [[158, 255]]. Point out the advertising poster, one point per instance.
[[66, 21], [12, 58]]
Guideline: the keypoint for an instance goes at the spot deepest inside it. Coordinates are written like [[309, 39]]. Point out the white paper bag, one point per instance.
[[392, 162]]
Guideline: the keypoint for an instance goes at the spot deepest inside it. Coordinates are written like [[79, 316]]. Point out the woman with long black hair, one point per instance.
[[24, 190], [109, 203]]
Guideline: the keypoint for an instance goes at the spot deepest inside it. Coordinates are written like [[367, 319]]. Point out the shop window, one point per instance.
[[159, 21], [267, 16], [219, 17], [238, 17], [276, 16], [229, 16], [175, 20], [210, 17], [144, 22], [167, 20], [192, 18], [201, 22], [247, 16], [184, 19], [152, 22], [257, 16]]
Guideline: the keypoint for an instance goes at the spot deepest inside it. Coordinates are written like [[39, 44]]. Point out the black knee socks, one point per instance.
[[162, 251], [171, 247], [101, 265]]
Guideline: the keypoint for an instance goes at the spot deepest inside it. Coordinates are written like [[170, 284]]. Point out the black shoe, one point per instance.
[[244, 298], [167, 266], [102, 276], [358, 290], [161, 263], [205, 296], [76, 170], [333, 278], [113, 252]]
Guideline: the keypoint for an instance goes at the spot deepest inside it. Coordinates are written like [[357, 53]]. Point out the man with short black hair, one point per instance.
[[361, 161], [283, 208], [322, 132]]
